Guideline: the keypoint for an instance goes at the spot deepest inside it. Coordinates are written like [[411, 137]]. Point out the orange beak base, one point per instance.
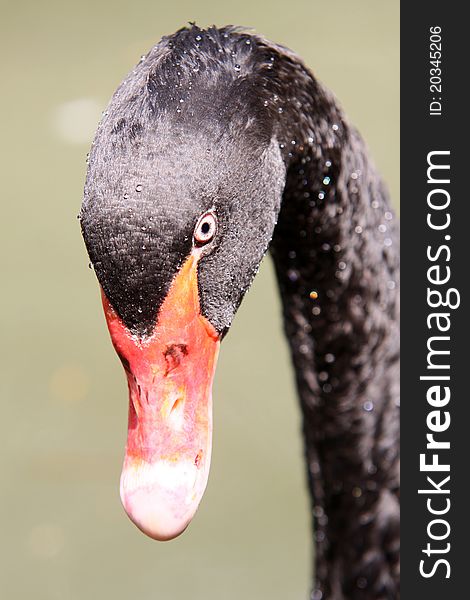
[[169, 436]]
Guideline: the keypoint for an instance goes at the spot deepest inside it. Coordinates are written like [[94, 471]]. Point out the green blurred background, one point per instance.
[[63, 534]]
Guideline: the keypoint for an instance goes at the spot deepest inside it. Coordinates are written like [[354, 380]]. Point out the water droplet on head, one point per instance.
[[358, 229], [361, 583], [391, 285], [326, 180], [265, 103], [328, 164], [341, 265], [138, 187], [321, 195], [354, 176], [329, 358], [374, 204], [368, 406], [237, 67], [387, 242], [280, 110], [335, 127], [382, 228], [313, 295], [316, 310], [139, 309], [198, 38], [388, 215], [247, 42]]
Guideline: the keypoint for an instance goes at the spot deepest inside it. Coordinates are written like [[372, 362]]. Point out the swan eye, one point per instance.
[[205, 229]]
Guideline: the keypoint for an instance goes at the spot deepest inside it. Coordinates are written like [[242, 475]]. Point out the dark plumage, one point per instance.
[[223, 119]]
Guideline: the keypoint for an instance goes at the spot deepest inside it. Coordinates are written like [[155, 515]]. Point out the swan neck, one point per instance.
[[335, 250]]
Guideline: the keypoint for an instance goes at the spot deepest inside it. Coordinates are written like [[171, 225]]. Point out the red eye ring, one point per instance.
[[205, 229]]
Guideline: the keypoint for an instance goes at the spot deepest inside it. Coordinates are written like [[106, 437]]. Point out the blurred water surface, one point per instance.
[[63, 534]]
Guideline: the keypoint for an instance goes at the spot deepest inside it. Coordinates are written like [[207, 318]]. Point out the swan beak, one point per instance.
[[169, 436]]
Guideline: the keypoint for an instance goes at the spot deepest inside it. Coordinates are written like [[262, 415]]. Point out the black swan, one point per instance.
[[218, 145]]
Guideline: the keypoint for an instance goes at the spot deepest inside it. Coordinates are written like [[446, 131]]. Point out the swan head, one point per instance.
[[182, 194]]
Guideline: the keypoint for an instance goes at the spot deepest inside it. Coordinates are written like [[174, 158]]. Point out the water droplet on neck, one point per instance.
[[357, 492], [293, 275], [138, 187]]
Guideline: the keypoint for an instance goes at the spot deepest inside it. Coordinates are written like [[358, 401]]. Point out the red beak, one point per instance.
[[169, 434]]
